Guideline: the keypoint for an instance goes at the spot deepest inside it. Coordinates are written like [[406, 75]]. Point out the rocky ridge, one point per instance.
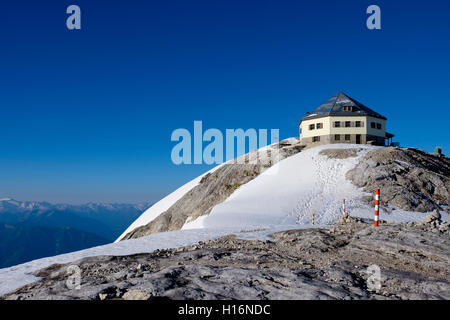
[[217, 186]]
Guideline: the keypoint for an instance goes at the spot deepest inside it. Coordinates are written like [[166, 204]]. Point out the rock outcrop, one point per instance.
[[410, 179], [217, 186], [434, 223], [340, 153]]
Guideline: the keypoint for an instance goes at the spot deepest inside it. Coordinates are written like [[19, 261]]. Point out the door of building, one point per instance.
[[358, 139]]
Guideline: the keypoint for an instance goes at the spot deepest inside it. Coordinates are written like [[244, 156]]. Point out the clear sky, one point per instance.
[[87, 115]]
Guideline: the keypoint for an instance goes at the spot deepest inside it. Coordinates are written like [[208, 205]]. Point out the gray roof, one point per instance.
[[334, 107]]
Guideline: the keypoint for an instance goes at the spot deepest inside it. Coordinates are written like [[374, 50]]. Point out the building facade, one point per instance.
[[343, 120]]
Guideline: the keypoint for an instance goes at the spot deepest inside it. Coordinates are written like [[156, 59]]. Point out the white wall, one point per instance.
[[329, 129]]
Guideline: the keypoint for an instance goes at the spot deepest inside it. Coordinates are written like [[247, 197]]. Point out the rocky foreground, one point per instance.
[[298, 264]]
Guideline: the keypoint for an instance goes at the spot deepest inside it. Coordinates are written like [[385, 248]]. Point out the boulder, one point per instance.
[[435, 216], [136, 295]]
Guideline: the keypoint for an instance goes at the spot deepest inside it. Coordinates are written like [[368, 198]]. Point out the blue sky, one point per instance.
[[87, 115]]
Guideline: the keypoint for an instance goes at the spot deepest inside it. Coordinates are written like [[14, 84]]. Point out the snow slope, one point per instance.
[[283, 197], [303, 184]]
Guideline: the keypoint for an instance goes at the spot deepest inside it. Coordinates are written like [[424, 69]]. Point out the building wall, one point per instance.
[[376, 132], [328, 139], [328, 132], [306, 133]]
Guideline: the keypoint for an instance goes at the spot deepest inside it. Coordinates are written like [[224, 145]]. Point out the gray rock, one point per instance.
[[340, 153], [409, 179], [435, 216], [297, 264], [102, 296], [136, 295]]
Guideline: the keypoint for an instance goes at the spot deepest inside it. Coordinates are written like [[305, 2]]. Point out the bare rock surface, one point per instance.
[[340, 153], [410, 179], [413, 259]]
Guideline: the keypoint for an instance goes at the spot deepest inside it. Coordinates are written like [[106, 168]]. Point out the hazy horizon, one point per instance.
[[71, 201]]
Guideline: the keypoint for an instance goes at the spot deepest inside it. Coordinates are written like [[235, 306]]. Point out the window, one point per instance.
[[319, 125], [337, 137], [358, 124], [374, 124], [348, 124], [316, 139], [312, 126], [347, 108], [347, 137], [337, 124]]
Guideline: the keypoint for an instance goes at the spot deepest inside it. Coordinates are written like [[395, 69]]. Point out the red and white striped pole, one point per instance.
[[313, 218], [377, 206], [343, 206]]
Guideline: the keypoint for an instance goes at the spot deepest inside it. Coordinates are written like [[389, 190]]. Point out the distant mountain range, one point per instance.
[[24, 242], [31, 230]]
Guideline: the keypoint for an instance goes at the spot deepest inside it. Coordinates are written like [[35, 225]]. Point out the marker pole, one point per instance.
[[377, 206]]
